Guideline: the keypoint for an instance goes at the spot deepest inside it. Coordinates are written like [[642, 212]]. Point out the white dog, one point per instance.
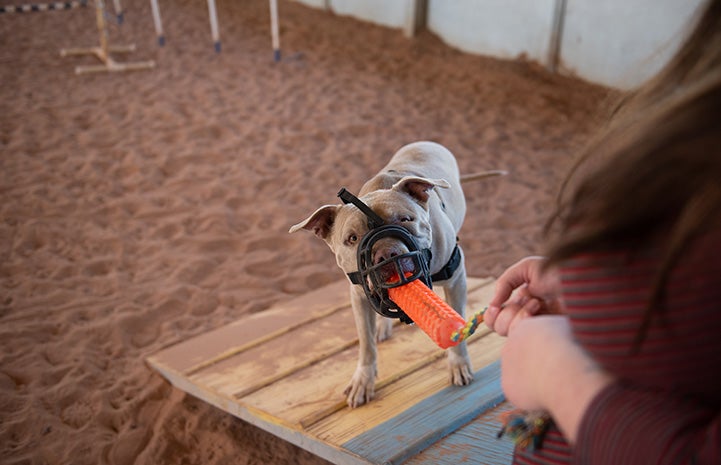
[[420, 191]]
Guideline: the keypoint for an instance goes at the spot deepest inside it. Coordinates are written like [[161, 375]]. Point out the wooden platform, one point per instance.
[[284, 370]]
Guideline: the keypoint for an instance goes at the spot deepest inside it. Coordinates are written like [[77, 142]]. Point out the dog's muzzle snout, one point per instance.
[[384, 271], [386, 249], [375, 271]]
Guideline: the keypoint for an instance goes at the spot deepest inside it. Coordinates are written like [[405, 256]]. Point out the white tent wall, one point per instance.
[[396, 14], [500, 28], [622, 43], [389, 13], [323, 4], [616, 43]]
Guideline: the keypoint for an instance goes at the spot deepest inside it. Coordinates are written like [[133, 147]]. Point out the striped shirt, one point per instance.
[[665, 407]]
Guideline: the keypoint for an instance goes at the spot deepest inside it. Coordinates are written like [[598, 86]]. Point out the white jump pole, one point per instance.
[[214, 24], [158, 22], [118, 11], [274, 29]]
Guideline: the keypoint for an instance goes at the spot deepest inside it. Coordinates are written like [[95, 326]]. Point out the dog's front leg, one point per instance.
[[362, 386], [459, 363]]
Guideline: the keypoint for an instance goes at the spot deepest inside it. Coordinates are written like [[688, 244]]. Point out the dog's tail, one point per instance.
[[482, 175]]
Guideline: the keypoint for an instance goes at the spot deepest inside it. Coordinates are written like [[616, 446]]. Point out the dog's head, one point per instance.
[[404, 205]]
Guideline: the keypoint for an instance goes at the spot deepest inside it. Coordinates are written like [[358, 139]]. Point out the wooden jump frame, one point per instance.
[[103, 51]]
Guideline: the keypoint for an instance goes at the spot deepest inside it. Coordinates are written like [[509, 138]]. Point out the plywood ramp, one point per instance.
[[284, 370]]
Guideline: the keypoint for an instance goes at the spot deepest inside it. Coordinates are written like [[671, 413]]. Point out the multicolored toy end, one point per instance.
[[470, 327], [434, 316]]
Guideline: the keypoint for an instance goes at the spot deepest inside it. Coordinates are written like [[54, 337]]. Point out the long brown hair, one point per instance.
[[653, 174]]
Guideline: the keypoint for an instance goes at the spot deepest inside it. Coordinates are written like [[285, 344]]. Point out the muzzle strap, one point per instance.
[[374, 221], [356, 277], [446, 273]]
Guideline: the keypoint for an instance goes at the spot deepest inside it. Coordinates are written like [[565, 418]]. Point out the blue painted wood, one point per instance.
[[407, 434], [474, 443]]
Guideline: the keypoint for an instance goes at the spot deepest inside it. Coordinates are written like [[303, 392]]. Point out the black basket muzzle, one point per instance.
[[407, 266], [374, 278]]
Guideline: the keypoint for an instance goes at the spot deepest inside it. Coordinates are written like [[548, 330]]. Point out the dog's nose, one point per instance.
[[383, 255]]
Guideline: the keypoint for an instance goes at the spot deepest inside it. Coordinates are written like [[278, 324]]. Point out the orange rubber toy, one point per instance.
[[430, 313]]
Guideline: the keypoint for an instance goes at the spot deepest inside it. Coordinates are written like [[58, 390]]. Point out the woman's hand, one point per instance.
[[543, 368], [523, 290]]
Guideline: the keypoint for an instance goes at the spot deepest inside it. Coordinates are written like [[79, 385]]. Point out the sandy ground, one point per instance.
[[140, 209]]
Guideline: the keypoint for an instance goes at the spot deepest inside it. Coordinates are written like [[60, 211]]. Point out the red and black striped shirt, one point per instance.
[[665, 407]]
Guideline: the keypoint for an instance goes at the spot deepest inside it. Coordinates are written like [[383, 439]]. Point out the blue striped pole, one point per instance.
[[36, 7]]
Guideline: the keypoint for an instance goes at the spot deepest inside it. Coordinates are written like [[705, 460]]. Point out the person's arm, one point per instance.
[[629, 425], [542, 368]]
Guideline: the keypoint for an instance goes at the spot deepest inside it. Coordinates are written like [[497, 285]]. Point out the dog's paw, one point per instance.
[[460, 368], [362, 386], [384, 328]]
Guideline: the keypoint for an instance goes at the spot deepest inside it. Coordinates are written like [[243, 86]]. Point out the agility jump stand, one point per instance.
[[102, 52]]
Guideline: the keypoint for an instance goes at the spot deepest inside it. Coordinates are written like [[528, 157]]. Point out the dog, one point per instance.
[[420, 191]]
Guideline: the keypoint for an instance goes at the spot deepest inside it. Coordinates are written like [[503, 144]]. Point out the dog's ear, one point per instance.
[[419, 188], [320, 222]]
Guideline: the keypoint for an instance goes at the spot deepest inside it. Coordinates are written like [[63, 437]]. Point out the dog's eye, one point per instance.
[[407, 219], [352, 239]]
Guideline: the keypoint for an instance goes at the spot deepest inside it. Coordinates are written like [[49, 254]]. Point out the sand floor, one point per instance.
[[140, 209]]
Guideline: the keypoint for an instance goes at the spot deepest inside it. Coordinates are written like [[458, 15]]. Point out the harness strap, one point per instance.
[[453, 263]]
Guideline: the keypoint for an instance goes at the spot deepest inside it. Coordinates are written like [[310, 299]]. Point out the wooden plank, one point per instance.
[[322, 414], [279, 368], [298, 395], [317, 391], [245, 372], [476, 442], [301, 401], [254, 329], [429, 420], [395, 398]]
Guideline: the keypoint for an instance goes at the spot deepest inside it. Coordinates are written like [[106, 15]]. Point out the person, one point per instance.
[[616, 332]]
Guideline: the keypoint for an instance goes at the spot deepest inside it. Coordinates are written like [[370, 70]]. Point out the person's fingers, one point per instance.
[[507, 282], [503, 321], [503, 291], [522, 295], [520, 315], [513, 300], [490, 315], [524, 271], [532, 306], [520, 299]]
